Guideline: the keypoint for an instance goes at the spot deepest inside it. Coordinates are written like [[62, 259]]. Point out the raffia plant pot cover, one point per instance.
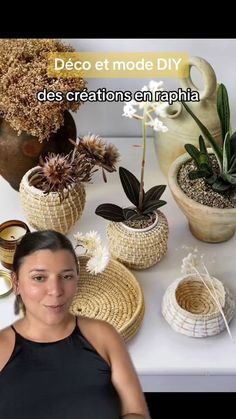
[[138, 249], [47, 211], [113, 295], [190, 309]]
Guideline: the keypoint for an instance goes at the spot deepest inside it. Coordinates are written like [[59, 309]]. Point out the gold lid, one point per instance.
[[5, 283]]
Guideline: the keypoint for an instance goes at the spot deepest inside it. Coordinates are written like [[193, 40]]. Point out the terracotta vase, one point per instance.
[[209, 224], [19, 153], [182, 129]]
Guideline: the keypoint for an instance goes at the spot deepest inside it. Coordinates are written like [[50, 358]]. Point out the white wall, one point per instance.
[[106, 119]]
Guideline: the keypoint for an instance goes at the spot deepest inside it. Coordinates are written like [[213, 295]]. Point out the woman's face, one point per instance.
[[47, 282]]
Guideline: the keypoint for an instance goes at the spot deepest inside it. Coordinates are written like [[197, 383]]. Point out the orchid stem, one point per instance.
[[144, 127]]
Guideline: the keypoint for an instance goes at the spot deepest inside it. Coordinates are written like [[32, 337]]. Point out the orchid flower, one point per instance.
[[158, 109]]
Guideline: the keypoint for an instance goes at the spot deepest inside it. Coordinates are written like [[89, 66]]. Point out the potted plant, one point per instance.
[[203, 181], [138, 234], [53, 194], [29, 127], [181, 127]]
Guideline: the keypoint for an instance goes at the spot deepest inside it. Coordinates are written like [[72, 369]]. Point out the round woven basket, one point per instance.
[[113, 295], [190, 309], [138, 249], [48, 211]]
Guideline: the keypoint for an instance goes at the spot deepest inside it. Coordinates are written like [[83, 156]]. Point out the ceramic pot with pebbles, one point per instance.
[[211, 216]]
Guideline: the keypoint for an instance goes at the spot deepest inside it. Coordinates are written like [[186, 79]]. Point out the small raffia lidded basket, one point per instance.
[[113, 295], [190, 309], [139, 248], [49, 211]]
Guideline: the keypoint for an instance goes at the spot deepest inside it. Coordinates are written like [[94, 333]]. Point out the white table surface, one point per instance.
[[165, 360]]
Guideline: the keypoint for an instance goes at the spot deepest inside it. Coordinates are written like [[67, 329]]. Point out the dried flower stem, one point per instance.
[[215, 298]]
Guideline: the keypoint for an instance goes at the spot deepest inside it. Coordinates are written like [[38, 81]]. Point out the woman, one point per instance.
[[53, 364]]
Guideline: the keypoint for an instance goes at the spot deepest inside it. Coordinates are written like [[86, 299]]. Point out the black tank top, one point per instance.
[[66, 379]]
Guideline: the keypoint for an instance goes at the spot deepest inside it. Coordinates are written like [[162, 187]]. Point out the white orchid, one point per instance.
[[98, 255], [129, 110], [159, 108], [151, 110]]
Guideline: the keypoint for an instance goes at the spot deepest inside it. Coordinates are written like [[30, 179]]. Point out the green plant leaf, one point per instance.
[[110, 212], [154, 193], [129, 213], [130, 184], [229, 178], [233, 144], [153, 205], [207, 135], [202, 145], [223, 109], [220, 185], [139, 217], [226, 152], [196, 174], [203, 161], [192, 151], [211, 179], [232, 166]]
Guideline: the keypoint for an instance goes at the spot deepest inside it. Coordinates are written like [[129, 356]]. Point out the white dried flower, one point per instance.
[[98, 255], [98, 262], [189, 264], [92, 241]]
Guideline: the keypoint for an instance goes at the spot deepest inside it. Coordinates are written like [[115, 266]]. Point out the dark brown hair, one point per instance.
[[42, 240]]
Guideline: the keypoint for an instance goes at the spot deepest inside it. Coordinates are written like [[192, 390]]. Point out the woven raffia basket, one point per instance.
[[138, 249], [113, 295], [190, 309], [47, 211]]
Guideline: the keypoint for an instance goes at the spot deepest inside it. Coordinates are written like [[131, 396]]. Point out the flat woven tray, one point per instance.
[[113, 295]]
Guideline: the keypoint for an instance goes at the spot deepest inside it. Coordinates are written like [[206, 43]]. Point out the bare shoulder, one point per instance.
[[102, 335], [7, 341], [5, 334], [98, 328]]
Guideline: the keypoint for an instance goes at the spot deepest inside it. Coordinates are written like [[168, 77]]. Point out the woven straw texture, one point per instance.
[[47, 211], [113, 295], [138, 250], [190, 309]]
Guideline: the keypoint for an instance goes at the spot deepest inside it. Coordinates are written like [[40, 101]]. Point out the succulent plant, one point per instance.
[[225, 178], [131, 186]]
